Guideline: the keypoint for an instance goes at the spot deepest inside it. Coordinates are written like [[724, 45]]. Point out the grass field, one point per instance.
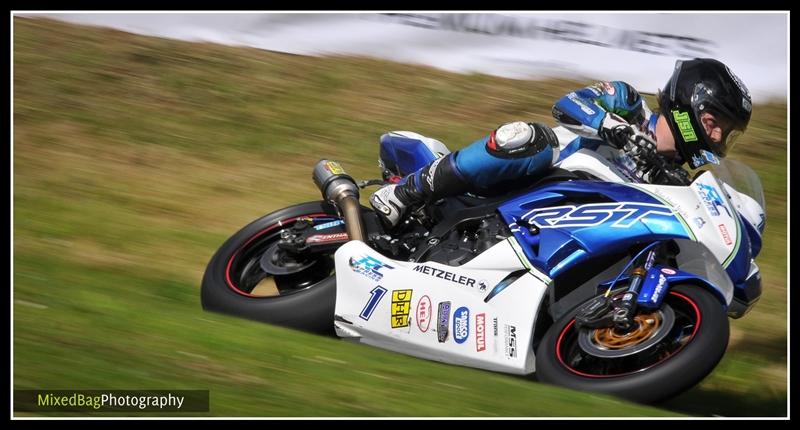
[[136, 157]]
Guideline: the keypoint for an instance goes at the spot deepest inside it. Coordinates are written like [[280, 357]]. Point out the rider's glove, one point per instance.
[[639, 146], [615, 130]]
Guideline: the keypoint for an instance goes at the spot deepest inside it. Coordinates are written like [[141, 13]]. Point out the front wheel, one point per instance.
[[298, 294], [672, 349]]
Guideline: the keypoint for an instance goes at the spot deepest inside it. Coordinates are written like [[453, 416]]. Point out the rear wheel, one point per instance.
[[670, 350], [249, 277]]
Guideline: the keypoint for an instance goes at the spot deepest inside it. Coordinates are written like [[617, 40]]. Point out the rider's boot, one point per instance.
[[434, 181]]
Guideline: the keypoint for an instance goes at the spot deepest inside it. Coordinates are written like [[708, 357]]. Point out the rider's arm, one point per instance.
[[586, 111]]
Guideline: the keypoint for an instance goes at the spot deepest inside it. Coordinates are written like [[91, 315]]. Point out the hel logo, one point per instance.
[[725, 235], [480, 332], [620, 215], [424, 314], [461, 325], [401, 306]]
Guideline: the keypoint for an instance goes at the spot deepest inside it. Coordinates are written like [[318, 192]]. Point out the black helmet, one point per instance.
[[699, 86]]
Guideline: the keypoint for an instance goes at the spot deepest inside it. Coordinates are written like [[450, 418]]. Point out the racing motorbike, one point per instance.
[[584, 278]]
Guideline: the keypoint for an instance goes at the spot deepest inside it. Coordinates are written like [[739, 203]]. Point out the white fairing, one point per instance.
[[436, 147], [748, 207], [398, 308]]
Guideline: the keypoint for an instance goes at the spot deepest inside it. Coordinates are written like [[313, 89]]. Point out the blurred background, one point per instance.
[[141, 142]]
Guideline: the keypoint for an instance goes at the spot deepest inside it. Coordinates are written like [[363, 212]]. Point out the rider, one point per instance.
[[703, 109]]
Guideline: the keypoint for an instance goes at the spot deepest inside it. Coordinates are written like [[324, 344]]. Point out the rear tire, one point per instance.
[[694, 345], [309, 308]]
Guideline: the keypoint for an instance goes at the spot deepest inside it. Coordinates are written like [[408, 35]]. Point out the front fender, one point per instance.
[[660, 279]]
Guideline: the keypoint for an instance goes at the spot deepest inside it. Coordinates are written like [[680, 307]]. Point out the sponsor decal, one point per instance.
[[480, 332], [711, 199], [482, 285], [709, 157], [668, 271], [461, 325], [334, 168], [699, 222], [424, 313], [494, 326], [324, 238], [368, 266], [746, 105], [739, 83], [328, 225], [401, 307], [375, 297], [444, 274], [662, 282], [510, 333], [725, 235], [431, 171], [443, 321], [609, 88], [621, 215], [684, 126], [575, 99]]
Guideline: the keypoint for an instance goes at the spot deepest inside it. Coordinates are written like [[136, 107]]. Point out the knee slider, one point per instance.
[[519, 139]]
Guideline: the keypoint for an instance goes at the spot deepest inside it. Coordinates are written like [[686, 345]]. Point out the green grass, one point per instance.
[[136, 157]]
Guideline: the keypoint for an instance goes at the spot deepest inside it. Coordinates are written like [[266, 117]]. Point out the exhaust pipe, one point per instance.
[[340, 189]]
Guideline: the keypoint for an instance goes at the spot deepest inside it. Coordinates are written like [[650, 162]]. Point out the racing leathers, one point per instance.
[[599, 118]]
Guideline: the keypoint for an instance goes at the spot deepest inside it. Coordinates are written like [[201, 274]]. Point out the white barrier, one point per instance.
[[639, 48]]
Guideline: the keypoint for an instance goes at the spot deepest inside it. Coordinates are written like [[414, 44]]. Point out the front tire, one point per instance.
[[303, 300], [681, 357]]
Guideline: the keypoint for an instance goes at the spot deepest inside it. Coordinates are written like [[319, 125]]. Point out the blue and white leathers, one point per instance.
[[580, 115]]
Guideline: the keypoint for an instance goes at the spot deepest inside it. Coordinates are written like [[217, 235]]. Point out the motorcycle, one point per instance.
[[584, 278]]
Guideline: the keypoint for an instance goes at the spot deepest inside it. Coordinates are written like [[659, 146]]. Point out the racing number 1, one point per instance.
[[376, 295]]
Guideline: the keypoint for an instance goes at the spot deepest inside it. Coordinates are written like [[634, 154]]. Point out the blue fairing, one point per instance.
[[404, 155], [754, 235], [567, 230]]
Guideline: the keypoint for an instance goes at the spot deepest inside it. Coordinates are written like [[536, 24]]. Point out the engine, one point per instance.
[[466, 241]]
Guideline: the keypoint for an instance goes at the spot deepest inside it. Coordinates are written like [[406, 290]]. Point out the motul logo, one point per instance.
[[480, 332]]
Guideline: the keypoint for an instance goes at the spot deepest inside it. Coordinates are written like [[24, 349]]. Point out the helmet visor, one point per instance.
[[717, 124]]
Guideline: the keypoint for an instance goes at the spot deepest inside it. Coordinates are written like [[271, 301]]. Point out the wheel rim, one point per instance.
[[640, 351], [245, 276], [650, 329]]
